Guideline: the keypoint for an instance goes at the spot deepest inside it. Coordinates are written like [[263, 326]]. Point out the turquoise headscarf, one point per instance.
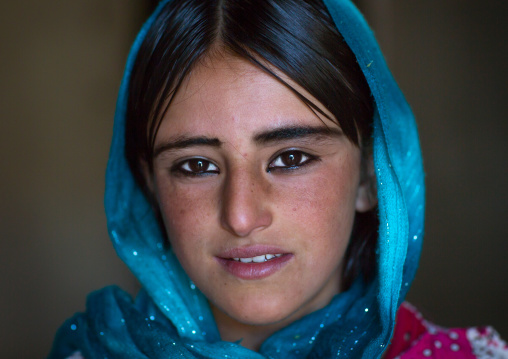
[[172, 319]]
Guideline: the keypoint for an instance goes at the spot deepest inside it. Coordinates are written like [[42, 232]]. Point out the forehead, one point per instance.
[[224, 94]]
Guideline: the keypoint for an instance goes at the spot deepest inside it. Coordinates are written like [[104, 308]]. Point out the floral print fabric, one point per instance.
[[415, 338]]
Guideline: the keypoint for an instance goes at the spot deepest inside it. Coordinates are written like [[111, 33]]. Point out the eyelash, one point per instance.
[[180, 169], [304, 160]]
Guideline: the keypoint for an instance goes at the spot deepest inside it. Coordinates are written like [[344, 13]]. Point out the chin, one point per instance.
[[262, 311]]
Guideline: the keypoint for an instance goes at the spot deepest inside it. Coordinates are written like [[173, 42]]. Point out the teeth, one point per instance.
[[258, 259]]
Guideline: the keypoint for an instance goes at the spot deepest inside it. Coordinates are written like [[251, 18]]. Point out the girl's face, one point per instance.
[[257, 194]]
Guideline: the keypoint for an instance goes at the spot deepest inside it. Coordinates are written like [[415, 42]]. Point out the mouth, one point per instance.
[[257, 259], [255, 262]]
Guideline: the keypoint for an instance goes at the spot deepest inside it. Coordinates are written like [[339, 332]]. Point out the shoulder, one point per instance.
[[414, 337]]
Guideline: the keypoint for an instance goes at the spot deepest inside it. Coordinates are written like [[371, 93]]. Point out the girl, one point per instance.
[[265, 185]]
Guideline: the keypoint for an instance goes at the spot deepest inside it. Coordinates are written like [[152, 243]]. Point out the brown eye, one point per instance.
[[290, 160], [198, 166]]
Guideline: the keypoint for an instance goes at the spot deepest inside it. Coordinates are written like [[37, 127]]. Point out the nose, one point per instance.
[[245, 203]]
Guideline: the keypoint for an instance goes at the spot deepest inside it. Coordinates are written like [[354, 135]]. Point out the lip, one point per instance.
[[251, 271]]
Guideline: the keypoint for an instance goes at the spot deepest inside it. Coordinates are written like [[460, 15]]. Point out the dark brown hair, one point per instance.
[[297, 37]]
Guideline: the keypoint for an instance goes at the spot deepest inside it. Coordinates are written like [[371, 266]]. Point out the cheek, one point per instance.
[[186, 214], [320, 210], [323, 201]]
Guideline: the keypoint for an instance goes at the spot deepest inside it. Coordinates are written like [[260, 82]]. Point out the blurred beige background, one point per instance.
[[60, 67]]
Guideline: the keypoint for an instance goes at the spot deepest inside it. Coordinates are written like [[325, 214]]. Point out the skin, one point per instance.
[[247, 193]]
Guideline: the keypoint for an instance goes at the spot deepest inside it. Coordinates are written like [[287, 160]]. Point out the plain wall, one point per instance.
[[60, 67], [61, 64]]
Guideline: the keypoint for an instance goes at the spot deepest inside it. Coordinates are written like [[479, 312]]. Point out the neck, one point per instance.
[[251, 336]]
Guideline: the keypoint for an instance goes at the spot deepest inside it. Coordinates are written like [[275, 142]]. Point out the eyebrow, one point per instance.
[[183, 142], [266, 137], [295, 132]]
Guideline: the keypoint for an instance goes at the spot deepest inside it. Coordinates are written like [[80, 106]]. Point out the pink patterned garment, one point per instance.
[[415, 338]]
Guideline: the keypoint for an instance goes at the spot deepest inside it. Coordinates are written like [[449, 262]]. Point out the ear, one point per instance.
[[366, 197]]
